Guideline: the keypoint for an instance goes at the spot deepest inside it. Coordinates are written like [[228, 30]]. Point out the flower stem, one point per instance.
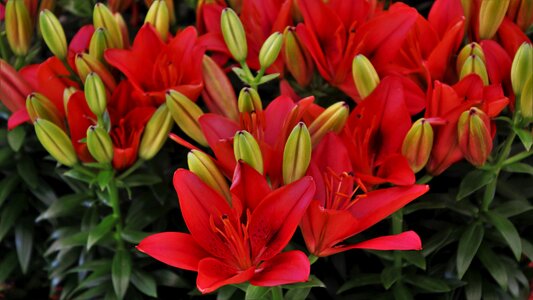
[[115, 205], [397, 226], [424, 179], [277, 293], [131, 169]]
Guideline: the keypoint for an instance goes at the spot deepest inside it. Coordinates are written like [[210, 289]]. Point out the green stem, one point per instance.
[[425, 179], [312, 259], [517, 158], [115, 205], [506, 149], [397, 226], [249, 75], [131, 169], [83, 170], [277, 293]]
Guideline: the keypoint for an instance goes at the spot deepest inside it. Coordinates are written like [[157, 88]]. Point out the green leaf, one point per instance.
[[170, 279], [144, 282], [121, 272], [28, 172], [5, 155], [241, 74], [527, 248], [415, 257], [468, 247], [75, 174], [390, 275], [519, 168], [267, 78], [297, 294], [16, 137], [473, 290], [7, 185], [525, 137], [513, 208], [24, 244], [256, 292], [134, 236], [473, 181], [103, 178], [75, 240], [494, 265], [7, 265], [136, 180], [430, 284], [98, 232], [10, 214], [226, 292], [400, 292], [508, 232], [438, 240], [360, 280], [64, 206], [93, 293], [313, 281]]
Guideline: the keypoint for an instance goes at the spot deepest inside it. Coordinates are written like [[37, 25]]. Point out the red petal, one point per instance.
[[331, 154], [176, 249], [53, 80], [408, 240], [275, 114], [444, 14], [213, 273], [440, 58], [17, 118], [377, 205], [199, 204], [395, 169], [249, 186], [79, 118], [276, 218], [497, 60], [284, 268]]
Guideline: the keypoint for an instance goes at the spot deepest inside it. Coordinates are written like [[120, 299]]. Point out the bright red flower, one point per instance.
[[337, 214], [13, 91], [237, 242], [153, 67]]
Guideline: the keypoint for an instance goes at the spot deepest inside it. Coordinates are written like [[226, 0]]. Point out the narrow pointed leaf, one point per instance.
[[121, 272], [98, 232], [473, 181], [468, 247], [508, 232]]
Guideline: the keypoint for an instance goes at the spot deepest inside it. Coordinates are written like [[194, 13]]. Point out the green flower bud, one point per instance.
[[56, 142], [467, 51], [40, 107], [474, 65], [417, 144], [249, 101], [186, 114], [522, 67], [155, 133], [245, 148], [218, 94], [53, 34], [365, 77], [159, 18], [99, 144], [297, 59], [525, 101], [204, 167], [86, 64], [491, 14], [473, 131], [95, 94], [270, 50], [297, 154], [331, 119], [66, 97], [100, 41], [18, 27], [103, 17], [234, 35]]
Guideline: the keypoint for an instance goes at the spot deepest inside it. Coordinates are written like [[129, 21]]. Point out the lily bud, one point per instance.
[[297, 58], [99, 43], [170, 6], [491, 14], [365, 77], [103, 17], [13, 88], [56, 142], [66, 96], [249, 101], [525, 14], [467, 11], [158, 16], [467, 51], [234, 35], [526, 100], [331, 119], [473, 131], [203, 166], [522, 67], [417, 144], [218, 93], [86, 64], [186, 114], [474, 65], [40, 107], [245, 148], [270, 50], [155, 133], [297, 154], [53, 34], [123, 29], [18, 27], [95, 94], [99, 144]]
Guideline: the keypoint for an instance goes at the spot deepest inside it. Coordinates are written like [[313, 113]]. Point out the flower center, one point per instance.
[[340, 190], [235, 236]]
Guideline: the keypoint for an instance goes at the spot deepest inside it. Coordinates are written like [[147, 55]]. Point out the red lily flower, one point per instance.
[[334, 33], [237, 242], [13, 91], [336, 214], [154, 67]]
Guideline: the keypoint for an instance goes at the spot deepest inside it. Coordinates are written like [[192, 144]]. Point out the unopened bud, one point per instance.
[[234, 35], [203, 166], [270, 50], [297, 154], [467, 11], [95, 94], [249, 101], [170, 6], [491, 14], [474, 65], [40, 107], [330, 120], [467, 51], [522, 67], [526, 100], [524, 19], [417, 144], [158, 16], [56, 142], [186, 114], [297, 59], [155, 133], [99, 43], [365, 77], [53, 34], [86, 64], [218, 93], [123, 29], [99, 144], [18, 25], [103, 17], [245, 148], [473, 131]]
